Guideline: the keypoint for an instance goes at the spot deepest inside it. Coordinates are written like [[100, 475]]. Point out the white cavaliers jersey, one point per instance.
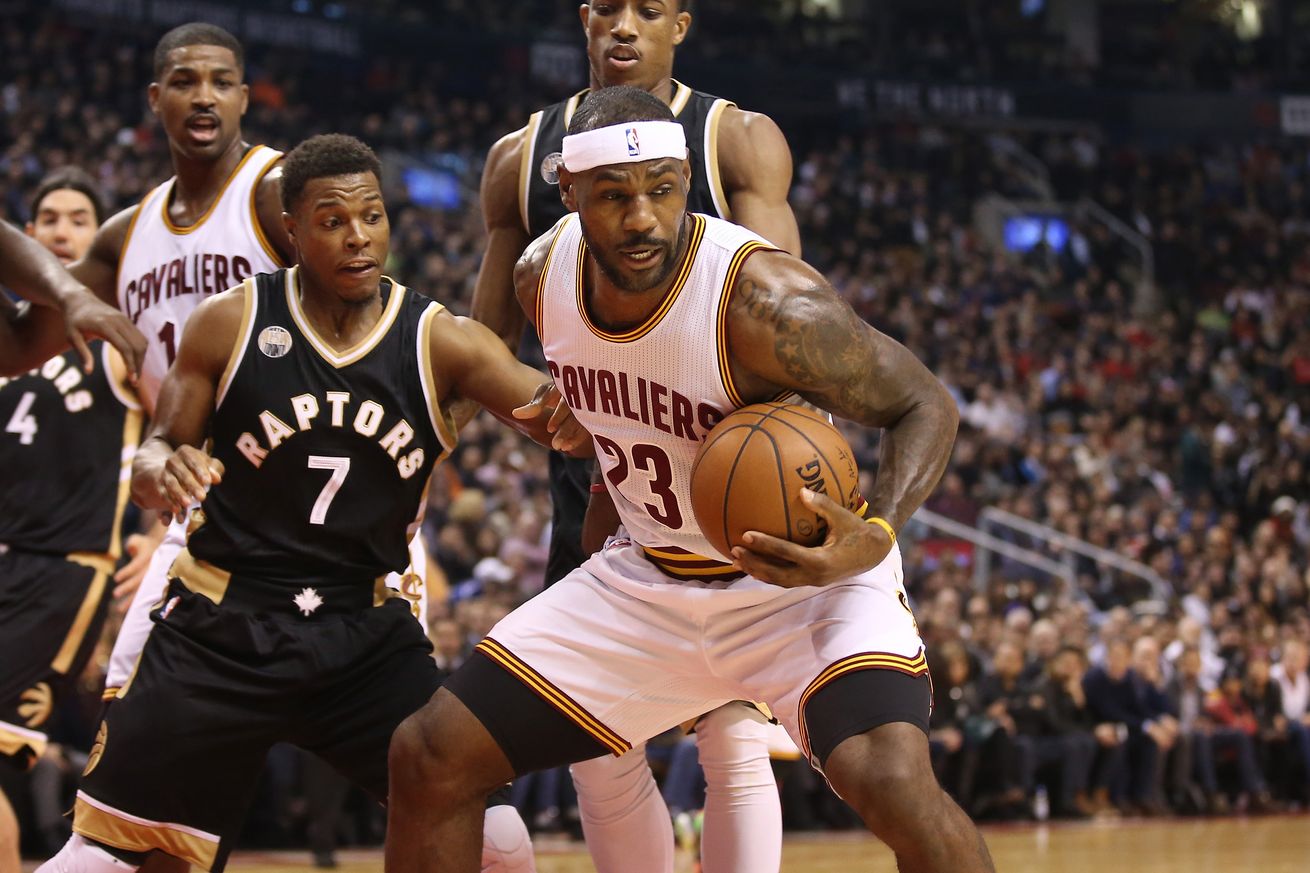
[[648, 395], [165, 271]]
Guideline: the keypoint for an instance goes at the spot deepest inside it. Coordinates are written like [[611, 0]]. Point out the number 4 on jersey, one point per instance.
[[22, 422]]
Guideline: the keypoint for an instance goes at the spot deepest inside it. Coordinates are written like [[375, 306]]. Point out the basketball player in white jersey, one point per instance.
[[741, 171], [656, 323]]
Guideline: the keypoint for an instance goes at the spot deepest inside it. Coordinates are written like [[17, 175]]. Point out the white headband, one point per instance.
[[625, 143]]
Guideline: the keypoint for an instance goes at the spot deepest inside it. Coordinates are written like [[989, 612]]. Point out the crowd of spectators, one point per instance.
[[1176, 436]]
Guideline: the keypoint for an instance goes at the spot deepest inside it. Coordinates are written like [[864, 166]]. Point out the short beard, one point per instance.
[[615, 275]]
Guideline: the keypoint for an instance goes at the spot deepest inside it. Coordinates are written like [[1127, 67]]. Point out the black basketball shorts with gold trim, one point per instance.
[[180, 750], [51, 611]]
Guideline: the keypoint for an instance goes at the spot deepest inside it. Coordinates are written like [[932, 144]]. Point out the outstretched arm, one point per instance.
[[493, 295], [755, 165], [471, 364], [789, 329], [35, 273], [170, 470]]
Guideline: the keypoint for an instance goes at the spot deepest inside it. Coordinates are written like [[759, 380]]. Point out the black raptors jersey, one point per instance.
[[327, 454], [66, 439], [699, 114]]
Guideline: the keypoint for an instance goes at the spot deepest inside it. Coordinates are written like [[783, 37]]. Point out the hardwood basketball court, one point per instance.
[[1276, 844]]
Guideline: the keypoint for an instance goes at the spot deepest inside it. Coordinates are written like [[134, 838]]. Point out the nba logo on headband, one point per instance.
[[623, 143]]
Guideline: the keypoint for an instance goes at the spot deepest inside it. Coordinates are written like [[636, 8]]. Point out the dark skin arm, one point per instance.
[[470, 365], [171, 470], [602, 518], [28, 268], [788, 329], [23, 332], [755, 165], [493, 301]]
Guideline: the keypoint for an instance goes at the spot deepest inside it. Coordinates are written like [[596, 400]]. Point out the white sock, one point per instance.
[[79, 856], [743, 815], [624, 818], [506, 846]]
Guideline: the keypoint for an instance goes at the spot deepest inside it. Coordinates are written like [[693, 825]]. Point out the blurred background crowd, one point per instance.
[[1164, 418]]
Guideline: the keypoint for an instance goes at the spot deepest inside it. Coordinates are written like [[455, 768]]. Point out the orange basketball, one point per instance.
[[749, 472]]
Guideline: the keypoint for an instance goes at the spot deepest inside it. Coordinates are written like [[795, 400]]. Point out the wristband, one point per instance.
[[883, 523], [597, 487]]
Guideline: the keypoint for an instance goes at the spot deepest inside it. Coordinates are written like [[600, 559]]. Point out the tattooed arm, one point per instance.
[[788, 329]]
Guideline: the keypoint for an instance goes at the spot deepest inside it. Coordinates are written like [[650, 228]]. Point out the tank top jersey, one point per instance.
[[699, 114], [66, 446], [165, 271], [327, 454], [649, 395]]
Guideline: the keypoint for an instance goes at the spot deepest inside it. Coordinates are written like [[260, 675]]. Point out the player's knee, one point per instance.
[[422, 760], [506, 845], [610, 776], [80, 856], [733, 736], [887, 780], [430, 758]]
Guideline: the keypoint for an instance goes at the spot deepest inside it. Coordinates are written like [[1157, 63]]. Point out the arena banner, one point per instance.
[[249, 22]]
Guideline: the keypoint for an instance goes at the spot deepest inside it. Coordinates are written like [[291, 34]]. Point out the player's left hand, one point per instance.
[[86, 315], [851, 547], [567, 434]]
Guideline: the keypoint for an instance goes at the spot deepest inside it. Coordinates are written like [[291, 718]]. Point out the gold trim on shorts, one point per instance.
[[104, 824], [14, 739], [543, 687]]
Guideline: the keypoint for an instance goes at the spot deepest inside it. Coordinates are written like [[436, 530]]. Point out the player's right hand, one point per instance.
[[567, 434], [186, 479], [86, 315], [850, 548]]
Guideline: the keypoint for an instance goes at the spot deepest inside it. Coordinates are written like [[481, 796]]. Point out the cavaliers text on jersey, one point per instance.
[[166, 271]]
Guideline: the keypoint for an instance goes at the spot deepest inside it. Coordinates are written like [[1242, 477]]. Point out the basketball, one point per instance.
[[749, 472]]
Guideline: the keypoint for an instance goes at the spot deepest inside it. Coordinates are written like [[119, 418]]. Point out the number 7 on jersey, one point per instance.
[[339, 467]]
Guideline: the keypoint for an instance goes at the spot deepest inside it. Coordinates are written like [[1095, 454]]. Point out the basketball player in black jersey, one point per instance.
[[62, 443], [741, 170], [325, 392]]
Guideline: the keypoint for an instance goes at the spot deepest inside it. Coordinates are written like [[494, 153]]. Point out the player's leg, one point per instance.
[[844, 669], [886, 775], [444, 763], [506, 843], [624, 818], [180, 749], [136, 621], [743, 815], [565, 678], [9, 858], [51, 613], [392, 678]]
